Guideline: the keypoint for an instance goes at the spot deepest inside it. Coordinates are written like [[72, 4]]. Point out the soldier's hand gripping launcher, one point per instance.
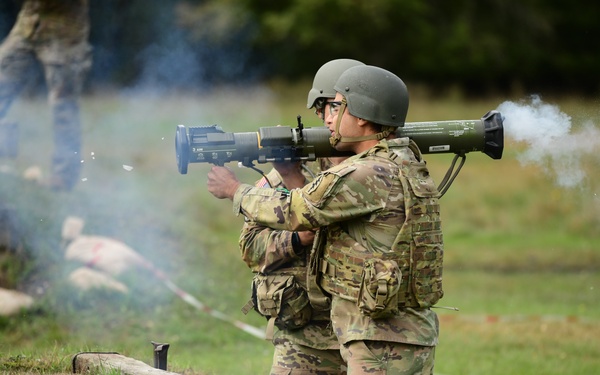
[[210, 144]]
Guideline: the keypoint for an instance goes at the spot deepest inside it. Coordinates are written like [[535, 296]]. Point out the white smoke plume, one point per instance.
[[552, 143]]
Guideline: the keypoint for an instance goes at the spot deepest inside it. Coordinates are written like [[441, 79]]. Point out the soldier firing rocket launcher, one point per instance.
[[210, 144]]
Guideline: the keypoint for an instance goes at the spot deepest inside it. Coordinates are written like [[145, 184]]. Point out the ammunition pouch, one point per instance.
[[378, 293], [371, 280], [282, 300]]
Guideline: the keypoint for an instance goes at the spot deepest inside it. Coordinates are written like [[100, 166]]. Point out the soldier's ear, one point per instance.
[[366, 124]]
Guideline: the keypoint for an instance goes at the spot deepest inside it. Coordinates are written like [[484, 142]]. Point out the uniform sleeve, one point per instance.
[[264, 249], [342, 193]]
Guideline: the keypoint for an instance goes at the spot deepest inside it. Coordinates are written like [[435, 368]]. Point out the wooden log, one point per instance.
[[94, 362]]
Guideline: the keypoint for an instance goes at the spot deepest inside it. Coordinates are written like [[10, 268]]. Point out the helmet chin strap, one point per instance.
[[334, 140]]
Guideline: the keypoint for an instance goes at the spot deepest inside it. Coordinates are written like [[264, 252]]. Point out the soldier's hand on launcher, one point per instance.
[[291, 174], [222, 183]]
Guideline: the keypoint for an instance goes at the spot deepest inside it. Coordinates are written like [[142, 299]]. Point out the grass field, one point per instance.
[[522, 253]]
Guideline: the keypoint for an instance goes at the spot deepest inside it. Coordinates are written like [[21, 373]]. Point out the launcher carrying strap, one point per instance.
[[451, 173]]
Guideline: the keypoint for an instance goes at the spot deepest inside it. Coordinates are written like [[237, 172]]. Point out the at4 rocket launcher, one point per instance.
[[210, 144]]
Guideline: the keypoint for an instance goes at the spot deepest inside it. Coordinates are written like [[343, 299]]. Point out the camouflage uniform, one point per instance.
[[365, 201], [54, 32], [312, 349]]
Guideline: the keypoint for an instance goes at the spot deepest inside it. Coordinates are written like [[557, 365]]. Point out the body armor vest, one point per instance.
[[417, 249]]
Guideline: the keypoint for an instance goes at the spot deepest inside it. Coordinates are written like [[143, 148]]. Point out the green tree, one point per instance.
[[477, 43], [483, 45]]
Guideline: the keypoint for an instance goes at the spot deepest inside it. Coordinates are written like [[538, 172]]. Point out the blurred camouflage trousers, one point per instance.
[[294, 359], [65, 66], [388, 358]]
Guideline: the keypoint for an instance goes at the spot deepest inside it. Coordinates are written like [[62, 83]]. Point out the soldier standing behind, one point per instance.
[[304, 341], [55, 34]]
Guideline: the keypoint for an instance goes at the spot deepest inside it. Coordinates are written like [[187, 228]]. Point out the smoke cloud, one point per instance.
[[552, 142]]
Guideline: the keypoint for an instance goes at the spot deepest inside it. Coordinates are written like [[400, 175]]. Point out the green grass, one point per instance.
[[530, 347], [522, 254]]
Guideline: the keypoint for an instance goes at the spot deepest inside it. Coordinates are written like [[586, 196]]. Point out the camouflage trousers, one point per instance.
[[388, 358], [294, 359], [65, 68]]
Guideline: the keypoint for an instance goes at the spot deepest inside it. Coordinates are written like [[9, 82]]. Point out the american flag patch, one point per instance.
[[263, 183]]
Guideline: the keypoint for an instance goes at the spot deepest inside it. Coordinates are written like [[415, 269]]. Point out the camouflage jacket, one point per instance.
[[268, 251], [264, 249], [363, 197]]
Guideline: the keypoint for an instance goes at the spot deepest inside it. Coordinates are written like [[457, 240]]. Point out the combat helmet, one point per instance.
[[374, 94], [326, 77]]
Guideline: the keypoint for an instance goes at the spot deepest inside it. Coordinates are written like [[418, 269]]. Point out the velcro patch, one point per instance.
[[318, 191]]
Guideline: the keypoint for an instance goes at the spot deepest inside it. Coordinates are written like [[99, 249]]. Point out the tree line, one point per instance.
[[481, 46]]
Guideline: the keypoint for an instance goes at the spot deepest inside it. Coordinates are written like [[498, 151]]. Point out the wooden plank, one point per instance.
[[93, 362]]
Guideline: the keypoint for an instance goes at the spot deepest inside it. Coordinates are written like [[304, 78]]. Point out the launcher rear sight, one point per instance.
[[210, 144]]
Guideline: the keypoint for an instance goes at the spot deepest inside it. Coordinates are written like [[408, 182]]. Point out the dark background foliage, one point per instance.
[[485, 46]]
